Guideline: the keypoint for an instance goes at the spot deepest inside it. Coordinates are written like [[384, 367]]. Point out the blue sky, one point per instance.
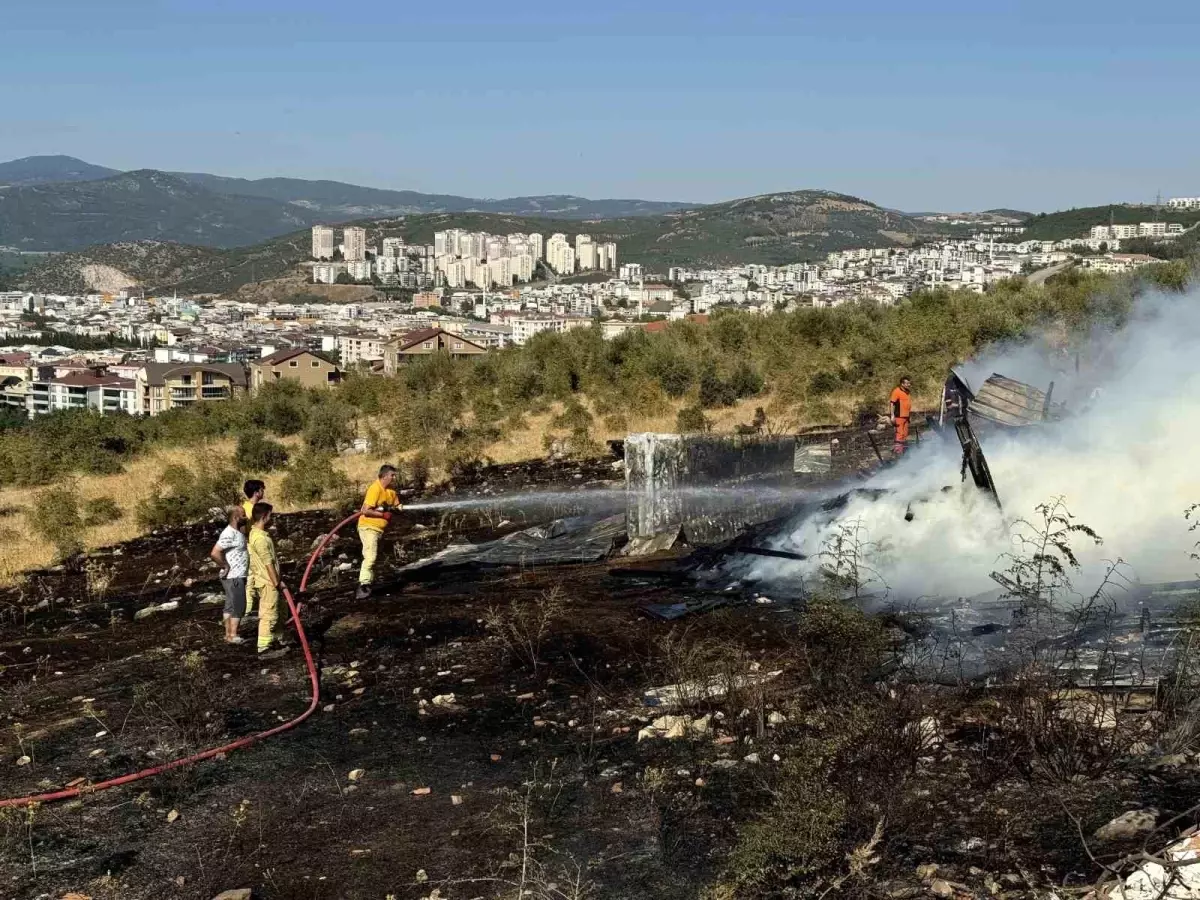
[[915, 105]]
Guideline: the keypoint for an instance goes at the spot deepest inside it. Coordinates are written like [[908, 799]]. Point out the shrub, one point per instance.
[[101, 511], [258, 453], [55, 518], [187, 495], [418, 474], [312, 478], [714, 392], [329, 427], [691, 420]]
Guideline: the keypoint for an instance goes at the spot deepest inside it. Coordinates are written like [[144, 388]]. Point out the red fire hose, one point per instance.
[[215, 751]]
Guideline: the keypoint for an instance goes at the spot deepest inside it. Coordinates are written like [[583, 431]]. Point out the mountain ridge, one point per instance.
[[773, 229]]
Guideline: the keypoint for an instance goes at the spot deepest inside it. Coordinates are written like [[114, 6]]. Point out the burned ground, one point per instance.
[[834, 778]]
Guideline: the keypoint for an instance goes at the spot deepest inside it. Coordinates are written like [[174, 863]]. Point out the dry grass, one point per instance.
[[26, 551]]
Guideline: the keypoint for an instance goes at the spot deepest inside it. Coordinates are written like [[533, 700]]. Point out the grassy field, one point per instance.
[[22, 550]]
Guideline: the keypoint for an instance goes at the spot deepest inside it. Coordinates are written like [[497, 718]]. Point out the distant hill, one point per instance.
[[770, 229], [142, 205], [1008, 213], [1071, 223], [340, 202], [50, 169]]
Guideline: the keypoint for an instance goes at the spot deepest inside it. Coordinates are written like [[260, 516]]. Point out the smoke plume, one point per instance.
[[1124, 461]]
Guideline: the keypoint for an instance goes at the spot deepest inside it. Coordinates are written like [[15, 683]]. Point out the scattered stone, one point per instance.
[[526, 697], [421, 876], [237, 894], [443, 700], [1128, 825], [700, 782], [456, 800], [23, 760], [329, 707], [725, 739], [940, 888], [617, 787], [776, 719], [675, 727], [99, 751], [751, 758], [724, 763], [148, 611], [356, 774], [422, 792], [173, 815], [971, 845], [927, 871], [1153, 881]]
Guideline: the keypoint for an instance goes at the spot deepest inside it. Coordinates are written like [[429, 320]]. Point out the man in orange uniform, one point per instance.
[[900, 413]]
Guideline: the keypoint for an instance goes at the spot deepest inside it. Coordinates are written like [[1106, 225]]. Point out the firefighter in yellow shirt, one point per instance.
[[264, 576], [255, 491], [378, 504]]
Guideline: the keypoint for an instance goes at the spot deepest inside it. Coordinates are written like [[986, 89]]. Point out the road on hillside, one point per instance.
[[1039, 277]]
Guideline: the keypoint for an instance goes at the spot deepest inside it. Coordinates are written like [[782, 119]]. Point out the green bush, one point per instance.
[[189, 494], [56, 519], [258, 453], [691, 420], [312, 478], [101, 511], [330, 427]]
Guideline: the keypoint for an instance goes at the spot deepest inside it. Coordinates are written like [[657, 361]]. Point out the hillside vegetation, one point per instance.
[[138, 206], [1073, 223], [562, 393], [772, 229], [811, 365]]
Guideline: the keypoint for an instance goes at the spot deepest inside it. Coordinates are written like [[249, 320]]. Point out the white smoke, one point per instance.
[[1125, 465]]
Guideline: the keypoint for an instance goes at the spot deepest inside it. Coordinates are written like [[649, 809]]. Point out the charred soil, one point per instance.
[[478, 736]]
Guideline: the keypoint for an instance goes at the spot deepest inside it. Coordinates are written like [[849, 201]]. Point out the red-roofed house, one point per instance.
[[294, 364], [94, 389], [426, 342]]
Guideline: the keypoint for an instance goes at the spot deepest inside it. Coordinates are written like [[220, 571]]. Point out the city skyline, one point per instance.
[[928, 106]]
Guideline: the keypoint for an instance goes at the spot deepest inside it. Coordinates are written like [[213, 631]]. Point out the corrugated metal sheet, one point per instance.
[[1008, 402]]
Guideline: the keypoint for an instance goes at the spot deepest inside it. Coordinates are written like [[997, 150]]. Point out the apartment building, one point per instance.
[[360, 349], [164, 386], [354, 244], [585, 252], [322, 242], [294, 364], [559, 255]]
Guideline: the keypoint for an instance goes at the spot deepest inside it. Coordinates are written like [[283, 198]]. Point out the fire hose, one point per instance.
[[314, 681]]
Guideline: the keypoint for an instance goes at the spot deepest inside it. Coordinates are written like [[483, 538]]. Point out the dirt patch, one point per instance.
[[295, 288]]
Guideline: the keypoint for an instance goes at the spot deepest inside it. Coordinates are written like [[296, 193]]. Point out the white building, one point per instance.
[[354, 244], [359, 270], [606, 257], [1184, 203], [327, 273], [585, 252], [322, 242], [631, 272], [537, 246], [559, 255], [360, 348], [393, 248]]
